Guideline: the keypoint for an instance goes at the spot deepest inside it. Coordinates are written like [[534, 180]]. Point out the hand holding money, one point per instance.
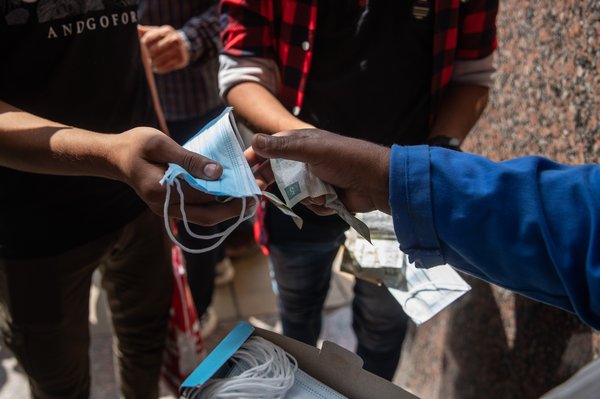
[[297, 183], [358, 170]]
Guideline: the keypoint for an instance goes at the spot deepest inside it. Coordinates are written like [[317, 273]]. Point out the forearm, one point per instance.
[[34, 144], [459, 111], [261, 110]]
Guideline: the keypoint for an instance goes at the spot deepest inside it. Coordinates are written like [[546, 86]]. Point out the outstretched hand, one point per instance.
[[358, 170], [142, 156]]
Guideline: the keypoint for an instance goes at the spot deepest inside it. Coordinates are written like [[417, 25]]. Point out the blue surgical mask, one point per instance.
[[307, 387], [304, 386], [221, 142]]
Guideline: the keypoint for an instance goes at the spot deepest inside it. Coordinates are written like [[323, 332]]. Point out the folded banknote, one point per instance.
[[296, 183]]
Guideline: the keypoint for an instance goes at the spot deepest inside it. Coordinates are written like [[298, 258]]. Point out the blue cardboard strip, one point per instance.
[[219, 356]]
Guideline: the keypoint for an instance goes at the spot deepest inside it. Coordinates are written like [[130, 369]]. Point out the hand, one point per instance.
[[166, 47], [358, 170], [141, 156]]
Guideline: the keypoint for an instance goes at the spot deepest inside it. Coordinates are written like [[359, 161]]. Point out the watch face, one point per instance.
[[444, 141], [454, 141]]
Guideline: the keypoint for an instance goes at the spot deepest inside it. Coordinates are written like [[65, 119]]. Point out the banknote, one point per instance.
[[284, 208], [296, 183]]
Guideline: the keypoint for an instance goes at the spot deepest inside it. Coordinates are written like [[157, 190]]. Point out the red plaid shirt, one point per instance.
[[285, 32]]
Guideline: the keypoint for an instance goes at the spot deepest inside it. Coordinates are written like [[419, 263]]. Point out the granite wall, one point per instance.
[[492, 343]]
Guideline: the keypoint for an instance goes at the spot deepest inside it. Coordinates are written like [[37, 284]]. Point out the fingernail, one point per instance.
[[261, 141], [210, 169]]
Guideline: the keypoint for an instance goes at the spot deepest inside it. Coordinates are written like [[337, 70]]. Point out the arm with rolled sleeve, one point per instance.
[[248, 54], [249, 75], [528, 224]]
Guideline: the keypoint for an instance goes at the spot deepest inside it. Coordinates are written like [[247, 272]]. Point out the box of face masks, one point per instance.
[[330, 372]]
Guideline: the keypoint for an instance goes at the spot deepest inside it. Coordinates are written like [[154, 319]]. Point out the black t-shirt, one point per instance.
[[370, 76], [78, 63]]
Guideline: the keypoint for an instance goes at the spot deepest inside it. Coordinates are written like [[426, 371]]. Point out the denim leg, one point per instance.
[[301, 279], [380, 326], [300, 262]]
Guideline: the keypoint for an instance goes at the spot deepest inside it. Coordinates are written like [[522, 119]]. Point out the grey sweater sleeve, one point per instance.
[[235, 70], [476, 72]]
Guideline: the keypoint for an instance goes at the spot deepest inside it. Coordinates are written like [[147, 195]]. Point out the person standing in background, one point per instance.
[[182, 38], [79, 179], [390, 72]]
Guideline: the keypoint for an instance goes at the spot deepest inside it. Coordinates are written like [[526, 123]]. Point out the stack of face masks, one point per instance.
[[422, 293], [261, 369], [221, 142]]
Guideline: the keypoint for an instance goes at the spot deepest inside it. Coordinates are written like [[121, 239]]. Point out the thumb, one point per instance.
[[200, 166], [196, 164], [296, 145]]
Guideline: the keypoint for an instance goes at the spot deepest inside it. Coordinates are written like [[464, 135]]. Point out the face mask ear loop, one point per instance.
[[230, 229], [166, 215], [223, 235], [269, 373], [431, 286], [201, 236], [208, 236]]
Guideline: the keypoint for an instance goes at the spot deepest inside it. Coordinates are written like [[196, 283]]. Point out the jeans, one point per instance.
[[300, 262]]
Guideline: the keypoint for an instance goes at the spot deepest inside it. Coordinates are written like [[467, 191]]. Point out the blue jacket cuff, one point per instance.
[[410, 200]]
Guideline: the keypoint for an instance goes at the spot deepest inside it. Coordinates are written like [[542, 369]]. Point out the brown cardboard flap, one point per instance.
[[334, 354], [338, 368]]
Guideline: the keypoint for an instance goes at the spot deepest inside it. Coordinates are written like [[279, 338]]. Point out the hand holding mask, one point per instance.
[[221, 142]]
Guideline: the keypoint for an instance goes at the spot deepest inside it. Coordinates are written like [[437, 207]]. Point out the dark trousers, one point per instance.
[[44, 305]]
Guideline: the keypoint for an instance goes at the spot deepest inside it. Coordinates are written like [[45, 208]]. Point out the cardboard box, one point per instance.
[[332, 365]]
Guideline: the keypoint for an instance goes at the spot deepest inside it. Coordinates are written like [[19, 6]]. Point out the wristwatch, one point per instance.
[[451, 143]]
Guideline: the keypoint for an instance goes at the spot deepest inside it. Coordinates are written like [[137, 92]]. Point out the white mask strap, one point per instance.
[[267, 372], [223, 235]]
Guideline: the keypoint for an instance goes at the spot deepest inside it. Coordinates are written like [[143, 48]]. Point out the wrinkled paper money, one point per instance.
[[422, 293], [297, 183]]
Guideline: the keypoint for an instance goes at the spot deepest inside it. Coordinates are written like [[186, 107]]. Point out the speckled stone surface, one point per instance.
[[491, 343]]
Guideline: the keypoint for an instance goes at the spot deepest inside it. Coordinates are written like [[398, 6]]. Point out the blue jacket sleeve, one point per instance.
[[529, 224]]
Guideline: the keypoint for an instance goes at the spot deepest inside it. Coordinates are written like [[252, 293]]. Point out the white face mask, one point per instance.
[[428, 291], [261, 369], [422, 293], [221, 142]]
